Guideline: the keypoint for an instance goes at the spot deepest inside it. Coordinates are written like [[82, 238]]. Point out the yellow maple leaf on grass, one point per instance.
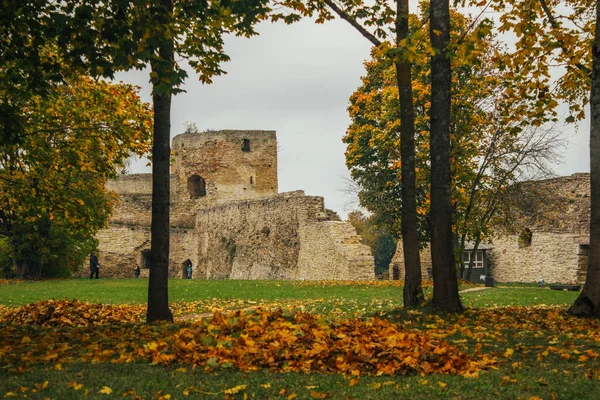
[[105, 390], [509, 353], [75, 385]]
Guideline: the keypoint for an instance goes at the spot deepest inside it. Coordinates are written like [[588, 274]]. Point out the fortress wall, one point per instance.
[[332, 250], [559, 221], [555, 257], [263, 239], [398, 261], [131, 184], [121, 248], [227, 217], [254, 239], [133, 209], [551, 256]]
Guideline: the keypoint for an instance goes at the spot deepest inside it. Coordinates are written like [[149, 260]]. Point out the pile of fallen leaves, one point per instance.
[[8, 281], [261, 337], [276, 340], [71, 313]]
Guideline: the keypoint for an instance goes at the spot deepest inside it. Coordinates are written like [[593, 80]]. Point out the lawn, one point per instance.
[[291, 340]]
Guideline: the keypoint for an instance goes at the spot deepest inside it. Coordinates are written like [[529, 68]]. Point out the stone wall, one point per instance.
[[332, 250], [397, 262], [286, 236], [121, 248], [131, 184], [551, 256], [558, 218]]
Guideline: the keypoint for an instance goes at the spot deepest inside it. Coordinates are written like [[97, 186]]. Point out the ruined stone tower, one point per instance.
[[229, 220], [214, 167]]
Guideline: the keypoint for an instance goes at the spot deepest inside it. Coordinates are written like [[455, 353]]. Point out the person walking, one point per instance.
[[137, 272], [94, 266]]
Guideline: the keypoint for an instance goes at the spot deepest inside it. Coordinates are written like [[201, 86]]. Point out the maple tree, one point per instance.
[[27, 66], [588, 302], [445, 282], [101, 38], [489, 151], [52, 180]]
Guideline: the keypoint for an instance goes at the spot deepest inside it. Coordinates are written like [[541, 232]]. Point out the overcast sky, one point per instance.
[[297, 80]]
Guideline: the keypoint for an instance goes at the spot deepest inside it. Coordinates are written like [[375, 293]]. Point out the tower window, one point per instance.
[[251, 180], [196, 186], [246, 145]]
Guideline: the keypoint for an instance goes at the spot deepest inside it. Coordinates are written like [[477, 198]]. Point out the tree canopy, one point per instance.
[[488, 151], [52, 181]]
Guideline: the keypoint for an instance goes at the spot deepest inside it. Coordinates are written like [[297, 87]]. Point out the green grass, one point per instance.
[[520, 296], [152, 381], [132, 291]]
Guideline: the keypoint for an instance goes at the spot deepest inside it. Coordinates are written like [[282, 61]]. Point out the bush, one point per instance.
[[7, 264]]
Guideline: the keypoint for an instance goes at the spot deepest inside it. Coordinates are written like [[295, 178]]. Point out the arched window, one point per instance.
[[196, 186]]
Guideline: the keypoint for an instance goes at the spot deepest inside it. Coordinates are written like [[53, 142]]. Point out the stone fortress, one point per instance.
[[228, 218], [548, 238]]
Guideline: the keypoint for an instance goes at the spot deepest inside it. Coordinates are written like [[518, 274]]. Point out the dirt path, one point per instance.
[[474, 289]]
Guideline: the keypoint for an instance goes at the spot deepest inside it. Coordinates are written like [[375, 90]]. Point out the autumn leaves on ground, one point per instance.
[[309, 340]]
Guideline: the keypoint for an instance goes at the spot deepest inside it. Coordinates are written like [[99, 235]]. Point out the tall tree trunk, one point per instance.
[[588, 302], [413, 293], [158, 285], [445, 284]]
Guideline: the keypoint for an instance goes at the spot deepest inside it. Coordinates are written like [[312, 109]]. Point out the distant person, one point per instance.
[[94, 265], [137, 272], [188, 268]]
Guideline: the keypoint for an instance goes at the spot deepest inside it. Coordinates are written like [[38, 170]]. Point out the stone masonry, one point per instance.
[[227, 217], [558, 246]]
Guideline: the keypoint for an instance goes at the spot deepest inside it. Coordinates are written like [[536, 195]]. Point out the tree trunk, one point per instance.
[[158, 285], [588, 302], [413, 293], [445, 284]]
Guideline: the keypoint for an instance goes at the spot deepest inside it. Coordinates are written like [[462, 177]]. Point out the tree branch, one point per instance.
[[556, 26], [343, 15]]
